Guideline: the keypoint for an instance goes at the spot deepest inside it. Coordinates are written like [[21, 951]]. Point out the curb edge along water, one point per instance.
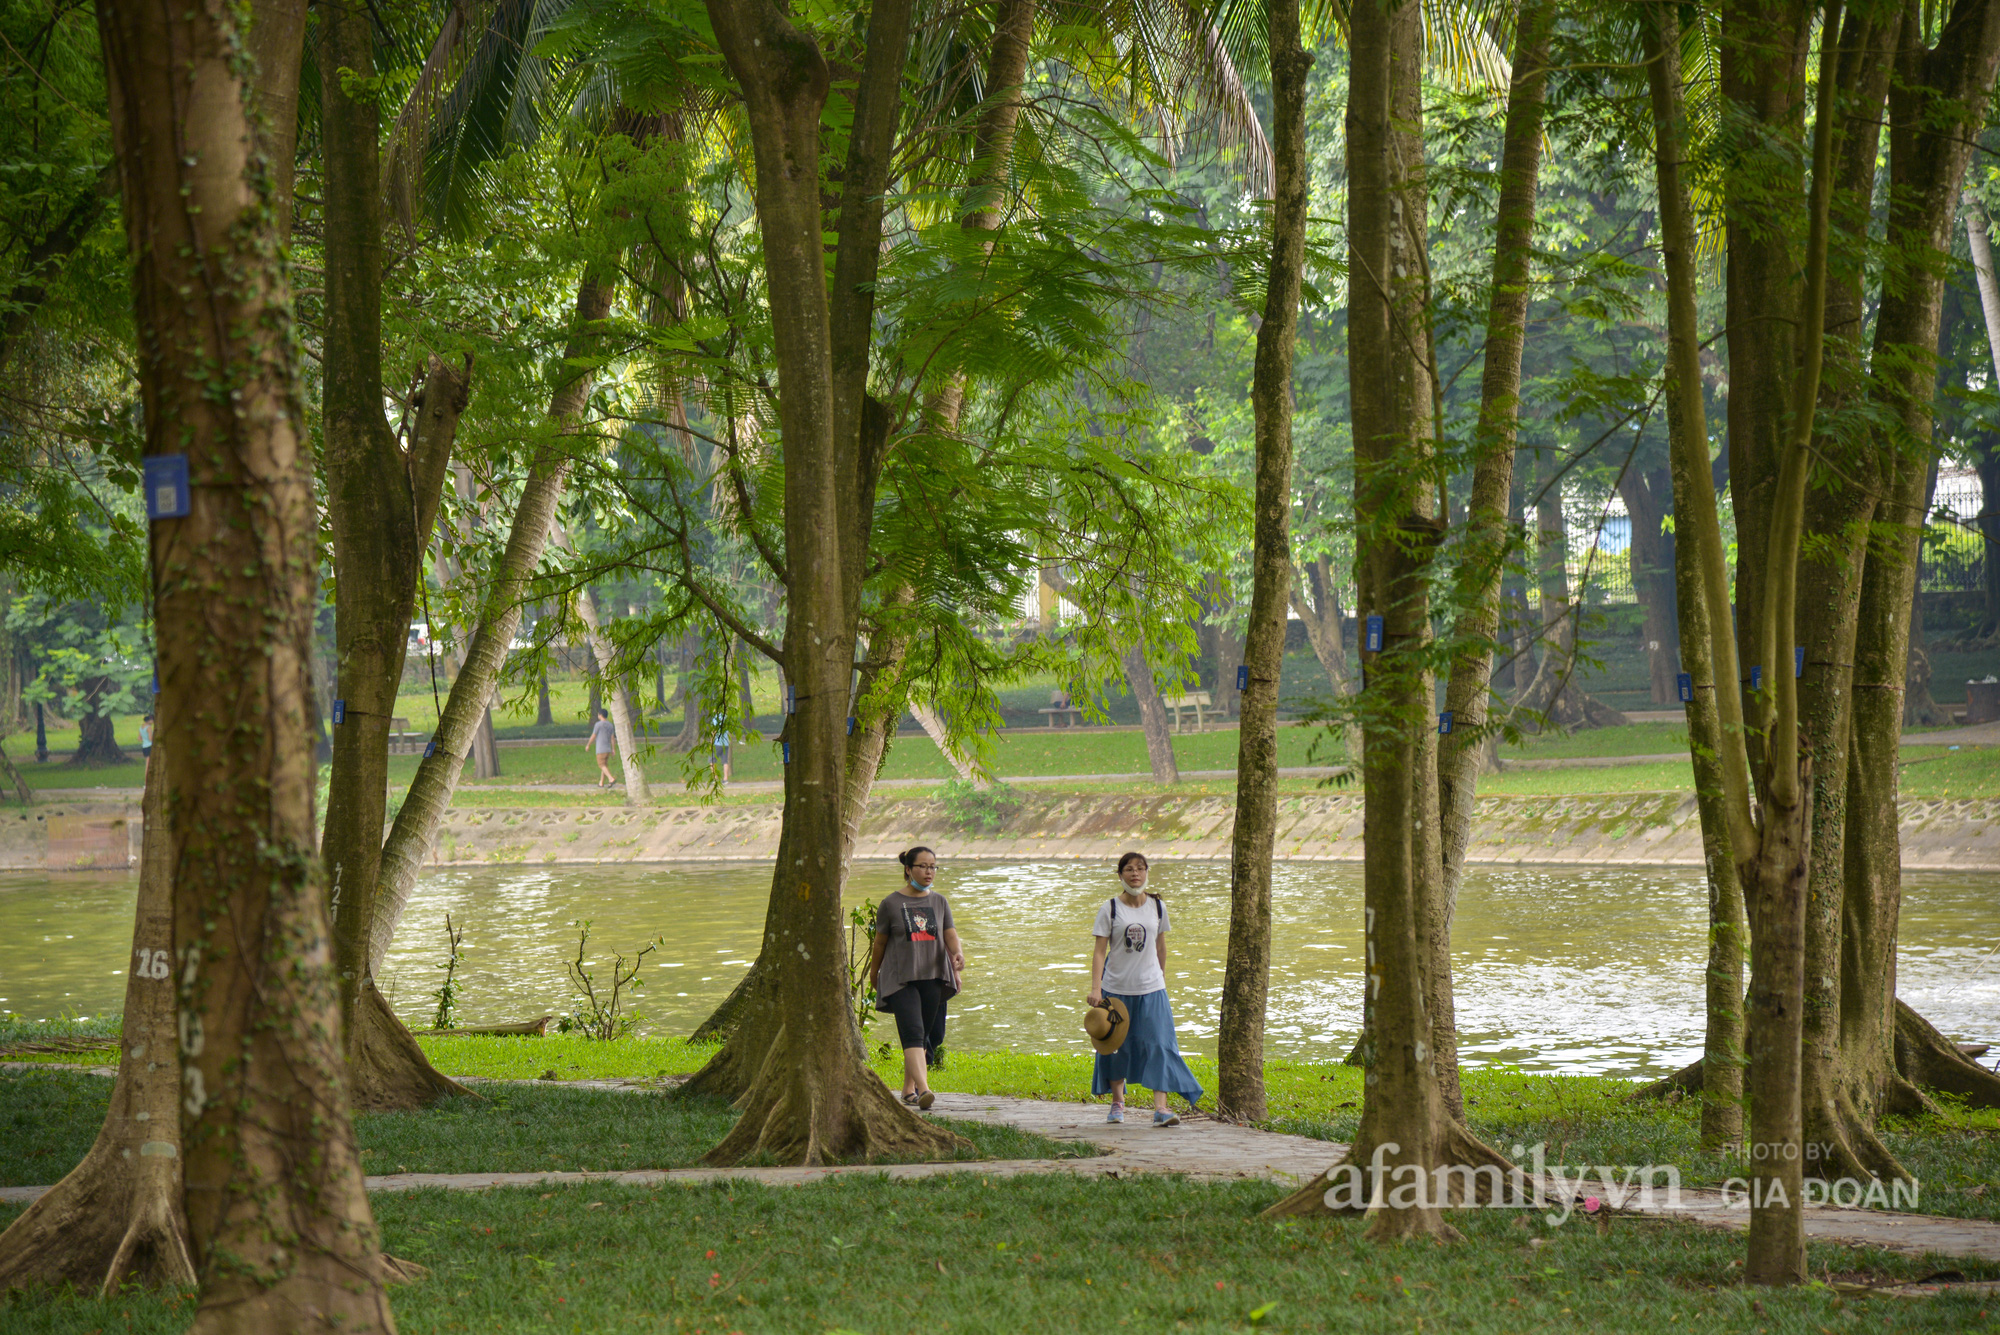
[[1626, 829]]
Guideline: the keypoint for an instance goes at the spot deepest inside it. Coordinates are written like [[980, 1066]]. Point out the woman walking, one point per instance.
[[603, 736], [913, 965], [1129, 966]]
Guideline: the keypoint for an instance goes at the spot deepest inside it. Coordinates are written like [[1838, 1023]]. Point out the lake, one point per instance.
[[1584, 971]]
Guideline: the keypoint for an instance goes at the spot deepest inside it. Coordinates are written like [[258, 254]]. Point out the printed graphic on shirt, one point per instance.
[[1135, 936], [922, 923]]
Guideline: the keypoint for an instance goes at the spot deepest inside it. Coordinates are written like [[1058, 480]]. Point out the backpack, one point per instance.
[[1158, 903]]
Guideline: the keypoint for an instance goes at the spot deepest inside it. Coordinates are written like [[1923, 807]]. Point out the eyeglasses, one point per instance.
[[923, 866]]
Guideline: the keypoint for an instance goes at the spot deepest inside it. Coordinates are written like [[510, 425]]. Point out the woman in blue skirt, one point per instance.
[[1130, 964]]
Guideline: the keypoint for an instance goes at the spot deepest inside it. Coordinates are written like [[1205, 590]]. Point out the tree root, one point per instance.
[[1928, 1059], [1681, 1083], [386, 1070], [812, 1108], [723, 1023], [112, 1220], [1459, 1148]]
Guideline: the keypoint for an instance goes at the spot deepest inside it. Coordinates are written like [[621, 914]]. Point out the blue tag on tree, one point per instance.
[[1372, 638], [791, 699], [1684, 684], [1444, 722], [1799, 661], [339, 711], [850, 725], [167, 495], [788, 751], [1243, 676], [1757, 678], [430, 748]]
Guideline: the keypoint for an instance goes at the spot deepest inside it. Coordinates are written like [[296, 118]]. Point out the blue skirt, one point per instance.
[[1151, 1056]]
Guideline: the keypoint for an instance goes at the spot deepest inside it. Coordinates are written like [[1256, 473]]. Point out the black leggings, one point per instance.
[[919, 1008]]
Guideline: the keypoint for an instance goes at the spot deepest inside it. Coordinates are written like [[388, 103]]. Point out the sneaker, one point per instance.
[[1117, 1113], [1165, 1119]]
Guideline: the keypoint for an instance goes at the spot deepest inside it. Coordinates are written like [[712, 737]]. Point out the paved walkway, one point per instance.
[[1201, 1148]]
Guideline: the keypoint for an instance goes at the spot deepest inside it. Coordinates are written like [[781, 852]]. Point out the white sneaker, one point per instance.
[[1117, 1113]]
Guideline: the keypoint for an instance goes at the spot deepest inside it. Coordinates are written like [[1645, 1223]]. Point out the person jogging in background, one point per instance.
[[604, 737], [1129, 965]]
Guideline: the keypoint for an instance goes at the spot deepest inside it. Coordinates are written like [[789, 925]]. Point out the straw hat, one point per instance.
[[1107, 1025]]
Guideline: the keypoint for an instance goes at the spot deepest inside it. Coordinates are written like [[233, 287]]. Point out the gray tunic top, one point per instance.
[[914, 926]]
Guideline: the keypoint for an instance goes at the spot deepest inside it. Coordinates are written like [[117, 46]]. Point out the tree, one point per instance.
[[414, 833], [279, 1224], [1246, 979], [1864, 1050], [381, 504], [1700, 583], [814, 1097], [1407, 1128]]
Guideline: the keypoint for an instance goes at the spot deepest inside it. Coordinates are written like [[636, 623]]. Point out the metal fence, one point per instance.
[[1954, 549]]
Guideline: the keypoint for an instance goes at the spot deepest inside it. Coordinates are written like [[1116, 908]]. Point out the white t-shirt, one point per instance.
[[1132, 964]]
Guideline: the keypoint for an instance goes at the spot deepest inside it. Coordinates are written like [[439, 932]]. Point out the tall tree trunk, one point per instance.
[[1871, 1056], [1648, 496], [466, 708], [1707, 640], [813, 1098], [1247, 971], [875, 728], [1839, 512], [1551, 695], [1489, 529], [380, 506], [117, 1216], [622, 721], [278, 1221], [1152, 713], [1406, 1126], [1920, 708], [544, 716], [1776, 338]]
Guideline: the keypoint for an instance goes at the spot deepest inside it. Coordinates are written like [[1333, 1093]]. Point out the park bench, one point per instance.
[[404, 740], [1195, 700], [1070, 715]]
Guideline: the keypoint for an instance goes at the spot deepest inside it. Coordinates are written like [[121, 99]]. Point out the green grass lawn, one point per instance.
[[51, 1116], [968, 1253], [977, 1253], [1927, 771]]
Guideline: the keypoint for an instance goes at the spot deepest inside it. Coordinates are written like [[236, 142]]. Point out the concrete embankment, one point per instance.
[[1628, 829]]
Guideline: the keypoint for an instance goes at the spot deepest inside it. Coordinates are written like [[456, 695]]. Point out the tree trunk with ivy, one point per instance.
[[279, 1227]]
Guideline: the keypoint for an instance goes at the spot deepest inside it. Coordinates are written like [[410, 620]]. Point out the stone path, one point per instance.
[[1201, 1148]]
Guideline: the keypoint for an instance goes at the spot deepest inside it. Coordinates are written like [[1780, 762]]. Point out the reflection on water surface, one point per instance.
[[1586, 970]]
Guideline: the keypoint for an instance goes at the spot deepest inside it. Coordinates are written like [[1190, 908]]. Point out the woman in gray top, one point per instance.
[[913, 966], [603, 736]]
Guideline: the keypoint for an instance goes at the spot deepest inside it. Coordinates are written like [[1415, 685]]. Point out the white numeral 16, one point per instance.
[[153, 964]]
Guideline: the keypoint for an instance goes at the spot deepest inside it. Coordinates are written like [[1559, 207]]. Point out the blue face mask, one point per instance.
[[915, 884]]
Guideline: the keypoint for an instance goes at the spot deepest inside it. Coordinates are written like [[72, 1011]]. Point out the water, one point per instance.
[[1558, 969]]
